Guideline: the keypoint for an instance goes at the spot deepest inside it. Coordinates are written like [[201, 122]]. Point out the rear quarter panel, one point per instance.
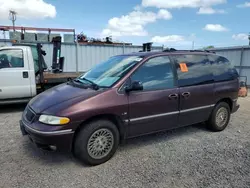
[[227, 89]]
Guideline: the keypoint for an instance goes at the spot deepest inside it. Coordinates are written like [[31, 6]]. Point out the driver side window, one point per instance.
[[155, 74], [11, 58]]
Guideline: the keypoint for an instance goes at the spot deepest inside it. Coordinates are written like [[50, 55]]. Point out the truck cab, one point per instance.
[[17, 74], [24, 73]]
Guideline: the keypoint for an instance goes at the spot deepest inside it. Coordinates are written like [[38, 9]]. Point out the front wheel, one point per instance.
[[97, 142], [220, 117]]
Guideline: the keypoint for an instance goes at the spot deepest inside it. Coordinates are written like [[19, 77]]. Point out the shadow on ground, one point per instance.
[[12, 108], [165, 135], [54, 158], [57, 158]]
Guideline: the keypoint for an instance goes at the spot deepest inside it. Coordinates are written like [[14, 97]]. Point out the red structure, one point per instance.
[[7, 28], [80, 38], [24, 29]]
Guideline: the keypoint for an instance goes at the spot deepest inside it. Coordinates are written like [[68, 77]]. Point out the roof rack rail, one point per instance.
[[170, 50], [174, 50], [208, 51]]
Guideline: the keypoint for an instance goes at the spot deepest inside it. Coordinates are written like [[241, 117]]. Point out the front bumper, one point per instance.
[[60, 140]]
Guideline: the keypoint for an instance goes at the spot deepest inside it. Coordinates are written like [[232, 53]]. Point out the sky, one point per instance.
[[172, 23]]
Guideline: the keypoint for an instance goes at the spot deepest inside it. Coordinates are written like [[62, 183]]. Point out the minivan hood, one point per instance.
[[59, 94]]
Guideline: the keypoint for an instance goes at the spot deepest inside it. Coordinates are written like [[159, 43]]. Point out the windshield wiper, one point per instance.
[[72, 82], [93, 84]]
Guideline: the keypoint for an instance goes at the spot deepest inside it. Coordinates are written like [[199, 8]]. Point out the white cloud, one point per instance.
[[181, 3], [240, 36], [164, 14], [29, 9], [245, 5], [175, 41], [209, 10], [215, 27], [138, 8], [133, 23], [129, 25], [167, 39]]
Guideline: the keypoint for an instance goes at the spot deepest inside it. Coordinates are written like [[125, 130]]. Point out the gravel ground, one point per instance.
[[186, 157]]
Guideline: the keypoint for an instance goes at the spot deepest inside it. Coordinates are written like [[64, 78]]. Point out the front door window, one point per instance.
[[11, 58], [155, 74]]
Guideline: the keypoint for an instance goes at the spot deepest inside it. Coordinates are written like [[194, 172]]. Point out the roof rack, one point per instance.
[[208, 51], [170, 50], [174, 50]]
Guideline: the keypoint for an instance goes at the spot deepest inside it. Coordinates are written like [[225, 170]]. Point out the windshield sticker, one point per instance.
[[138, 59], [183, 67]]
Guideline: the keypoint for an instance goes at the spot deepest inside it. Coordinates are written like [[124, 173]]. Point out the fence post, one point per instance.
[[77, 57], [241, 60]]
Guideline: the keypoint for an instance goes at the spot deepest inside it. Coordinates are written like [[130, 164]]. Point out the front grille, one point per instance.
[[29, 114]]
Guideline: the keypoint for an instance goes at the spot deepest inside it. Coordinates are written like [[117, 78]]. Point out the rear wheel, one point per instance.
[[220, 117], [97, 142]]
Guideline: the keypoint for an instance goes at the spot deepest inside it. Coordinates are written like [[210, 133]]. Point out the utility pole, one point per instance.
[[249, 38], [12, 17], [193, 45]]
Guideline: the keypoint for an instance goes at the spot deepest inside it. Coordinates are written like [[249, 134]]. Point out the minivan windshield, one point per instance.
[[105, 74]]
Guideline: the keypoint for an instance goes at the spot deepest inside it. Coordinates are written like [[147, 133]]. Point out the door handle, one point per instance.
[[186, 94], [25, 74], [173, 96]]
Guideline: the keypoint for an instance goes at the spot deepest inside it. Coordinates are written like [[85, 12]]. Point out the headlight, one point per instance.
[[53, 120]]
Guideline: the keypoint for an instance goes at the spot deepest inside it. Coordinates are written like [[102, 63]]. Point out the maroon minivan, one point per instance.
[[132, 95]]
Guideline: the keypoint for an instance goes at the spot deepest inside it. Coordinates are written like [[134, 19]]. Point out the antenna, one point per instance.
[[12, 17]]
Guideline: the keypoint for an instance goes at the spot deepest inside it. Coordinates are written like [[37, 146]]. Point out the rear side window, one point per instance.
[[193, 69], [155, 74], [222, 68], [36, 59], [11, 58]]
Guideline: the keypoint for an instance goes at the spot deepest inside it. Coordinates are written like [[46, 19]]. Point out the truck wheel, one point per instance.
[[96, 142], [220, 117]]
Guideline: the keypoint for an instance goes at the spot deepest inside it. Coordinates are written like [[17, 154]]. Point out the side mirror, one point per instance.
[[135, 86]]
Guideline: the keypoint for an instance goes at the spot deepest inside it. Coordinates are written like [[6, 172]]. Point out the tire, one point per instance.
[[222, 113], [96, 142]]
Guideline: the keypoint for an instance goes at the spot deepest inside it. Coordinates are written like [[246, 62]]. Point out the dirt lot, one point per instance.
[[186, 157]]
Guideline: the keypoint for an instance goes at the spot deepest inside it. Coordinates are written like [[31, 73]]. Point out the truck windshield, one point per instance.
[[105, 74]]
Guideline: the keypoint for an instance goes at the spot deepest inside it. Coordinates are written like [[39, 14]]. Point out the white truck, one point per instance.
[[23, 73]]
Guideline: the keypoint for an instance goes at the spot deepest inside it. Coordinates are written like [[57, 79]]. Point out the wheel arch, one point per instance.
[[110, 117], [227, 100]]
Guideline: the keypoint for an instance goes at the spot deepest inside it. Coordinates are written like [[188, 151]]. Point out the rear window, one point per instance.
[[222, 68], [193, 69], [35, 59]]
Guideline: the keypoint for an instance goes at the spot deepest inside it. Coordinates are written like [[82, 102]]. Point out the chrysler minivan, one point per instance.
[[132, 95]]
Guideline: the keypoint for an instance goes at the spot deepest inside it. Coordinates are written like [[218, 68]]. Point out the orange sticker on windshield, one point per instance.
[[183, 67]]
